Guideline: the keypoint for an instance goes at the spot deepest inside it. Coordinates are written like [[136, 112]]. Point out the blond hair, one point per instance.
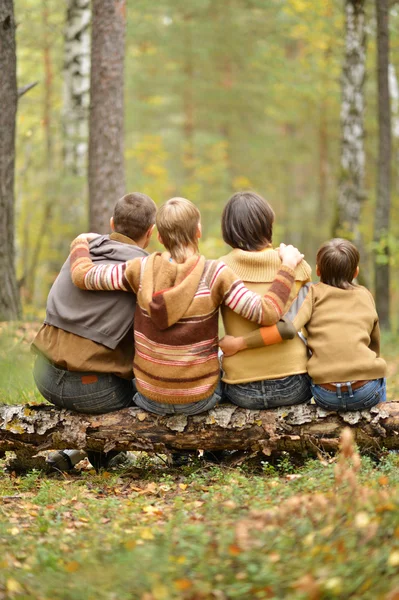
[[177, 222]]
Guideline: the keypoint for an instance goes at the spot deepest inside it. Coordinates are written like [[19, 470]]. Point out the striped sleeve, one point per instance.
[[266, 310], [87, 276]]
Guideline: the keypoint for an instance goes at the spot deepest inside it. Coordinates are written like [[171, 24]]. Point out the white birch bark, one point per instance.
[[76, 85], [351, 191]]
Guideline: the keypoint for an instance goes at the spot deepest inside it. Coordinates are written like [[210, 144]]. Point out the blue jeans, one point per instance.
[[192, 408], [270, 393], [364, 397], [91, 393]]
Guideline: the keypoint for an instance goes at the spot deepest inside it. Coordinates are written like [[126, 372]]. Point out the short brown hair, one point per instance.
[[134, 214], [247, 222], [177, 222], [337, 261]]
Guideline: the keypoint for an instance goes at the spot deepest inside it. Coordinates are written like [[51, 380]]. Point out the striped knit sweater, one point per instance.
[[176, 319]]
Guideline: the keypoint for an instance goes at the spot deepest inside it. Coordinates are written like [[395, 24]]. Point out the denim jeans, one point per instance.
[[91, 393], [192, 408], [368, 395], [270, 393]]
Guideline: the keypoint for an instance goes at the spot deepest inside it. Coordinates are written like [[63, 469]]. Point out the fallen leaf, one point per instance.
[[183, 584], [13, 586], [72, 567], [146, 534]]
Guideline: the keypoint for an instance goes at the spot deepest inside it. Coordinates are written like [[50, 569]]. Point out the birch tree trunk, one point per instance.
[[383, 201], [106, 161], [9, 295], [351, 189], [76, 85]]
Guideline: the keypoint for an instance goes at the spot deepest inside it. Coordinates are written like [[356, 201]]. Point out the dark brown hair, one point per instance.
[[337, 261], [247, 222], [134, 214]]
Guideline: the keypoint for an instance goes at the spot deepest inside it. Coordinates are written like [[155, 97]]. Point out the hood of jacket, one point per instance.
[[167, 289], [114, 248]]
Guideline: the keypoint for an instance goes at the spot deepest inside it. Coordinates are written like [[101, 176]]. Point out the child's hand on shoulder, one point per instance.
[[290, 256], [230, 345], [88, 236]]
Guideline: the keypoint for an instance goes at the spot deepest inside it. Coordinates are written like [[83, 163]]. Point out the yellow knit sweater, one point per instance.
[[258, 270]]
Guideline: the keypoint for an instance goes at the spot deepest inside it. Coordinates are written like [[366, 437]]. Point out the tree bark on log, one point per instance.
[[304, 429]]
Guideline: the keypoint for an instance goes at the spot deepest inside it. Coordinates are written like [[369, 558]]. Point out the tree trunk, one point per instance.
[[106, 161], [351, 190], [9, 296], [394, 95], [383, 203], [76, 85], [30, 275], [303, 429]]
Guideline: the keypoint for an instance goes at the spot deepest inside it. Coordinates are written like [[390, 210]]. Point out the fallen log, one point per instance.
[[303, 429]]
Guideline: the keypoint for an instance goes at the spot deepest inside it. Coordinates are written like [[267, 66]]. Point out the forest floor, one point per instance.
[[327, 528]]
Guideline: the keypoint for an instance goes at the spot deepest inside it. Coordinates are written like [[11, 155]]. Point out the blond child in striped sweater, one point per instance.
[[178, 297]]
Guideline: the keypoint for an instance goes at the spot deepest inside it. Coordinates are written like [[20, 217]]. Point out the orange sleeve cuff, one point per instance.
[[264, 336]]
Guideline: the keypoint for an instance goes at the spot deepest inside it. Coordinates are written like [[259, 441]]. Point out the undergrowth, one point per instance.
[[326, 529]]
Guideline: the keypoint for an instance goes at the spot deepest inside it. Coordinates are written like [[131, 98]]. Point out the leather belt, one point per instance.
[[344, 386]]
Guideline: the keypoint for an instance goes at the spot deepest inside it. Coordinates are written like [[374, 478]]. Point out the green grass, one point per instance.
[[199, 534], [327, 529]]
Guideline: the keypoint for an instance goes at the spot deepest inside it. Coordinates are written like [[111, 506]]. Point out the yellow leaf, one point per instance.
[[362, 520], [160, 592], [147, 534], [183, 486], [130, 544], [152, 510], [393, 559], [13, 586], [72, 566]]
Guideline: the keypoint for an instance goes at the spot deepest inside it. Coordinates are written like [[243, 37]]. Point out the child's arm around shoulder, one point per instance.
[[266, 310], [267, 336], [85, 275], [263, 336]]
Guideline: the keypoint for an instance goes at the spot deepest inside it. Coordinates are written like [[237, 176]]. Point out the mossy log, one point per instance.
[[303, 429]]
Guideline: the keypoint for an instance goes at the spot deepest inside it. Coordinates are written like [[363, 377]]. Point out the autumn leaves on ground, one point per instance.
[[326, 529]]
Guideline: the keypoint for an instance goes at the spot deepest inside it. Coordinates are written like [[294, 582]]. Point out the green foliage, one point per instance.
[[220, 96]]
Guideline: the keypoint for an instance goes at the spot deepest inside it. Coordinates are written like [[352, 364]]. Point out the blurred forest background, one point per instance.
[[219, 96]]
